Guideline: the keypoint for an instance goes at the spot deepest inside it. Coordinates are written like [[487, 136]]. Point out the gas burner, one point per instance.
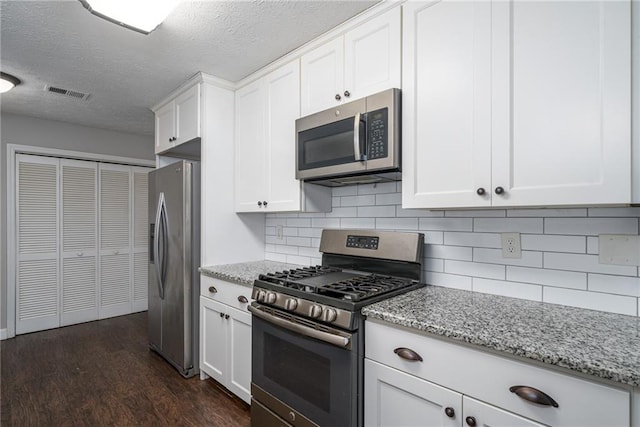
[[288, 278], [363, 287]]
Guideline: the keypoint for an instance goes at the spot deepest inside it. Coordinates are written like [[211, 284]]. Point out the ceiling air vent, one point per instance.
[[67, 92]]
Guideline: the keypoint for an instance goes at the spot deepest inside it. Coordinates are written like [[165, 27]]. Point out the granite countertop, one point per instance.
[[605, 345], [245, 273]]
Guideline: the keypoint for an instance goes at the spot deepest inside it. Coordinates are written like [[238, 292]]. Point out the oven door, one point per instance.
[[331, 142], [304, 375]]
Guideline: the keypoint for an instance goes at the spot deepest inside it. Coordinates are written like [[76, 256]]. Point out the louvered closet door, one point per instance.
[[114, 240], [79, 237], [140, 238], [37, 291]]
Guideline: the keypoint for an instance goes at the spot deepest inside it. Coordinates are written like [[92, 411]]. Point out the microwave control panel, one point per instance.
[[377, 131]]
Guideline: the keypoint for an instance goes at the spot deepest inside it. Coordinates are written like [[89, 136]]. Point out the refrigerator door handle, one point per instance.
[[159, 264]]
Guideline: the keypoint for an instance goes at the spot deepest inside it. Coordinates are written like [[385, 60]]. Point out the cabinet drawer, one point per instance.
[[225, 292], [488, 377]]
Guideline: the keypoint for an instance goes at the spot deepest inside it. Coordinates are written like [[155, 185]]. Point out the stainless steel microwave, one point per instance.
[[357, 142]]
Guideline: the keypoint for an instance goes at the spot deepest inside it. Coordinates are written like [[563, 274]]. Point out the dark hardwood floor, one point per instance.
[[102, 373]]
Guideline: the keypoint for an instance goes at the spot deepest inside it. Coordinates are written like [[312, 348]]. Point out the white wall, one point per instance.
[[64, 136], [559, 261]]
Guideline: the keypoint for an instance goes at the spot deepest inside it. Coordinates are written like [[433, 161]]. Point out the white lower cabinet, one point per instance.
[[448, 384], [225, 336]]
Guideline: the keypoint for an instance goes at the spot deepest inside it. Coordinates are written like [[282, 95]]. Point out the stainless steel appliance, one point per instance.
[[355, 143], [308, 333], [174, 258]]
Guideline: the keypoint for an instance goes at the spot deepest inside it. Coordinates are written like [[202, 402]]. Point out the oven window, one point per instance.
[[310, 380]]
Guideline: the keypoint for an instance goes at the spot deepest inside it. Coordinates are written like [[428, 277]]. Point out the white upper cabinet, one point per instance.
[[365, 60], [178, 121], [516, 103]]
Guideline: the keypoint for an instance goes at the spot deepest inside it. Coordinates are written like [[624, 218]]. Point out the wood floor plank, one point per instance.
[[103, 374]]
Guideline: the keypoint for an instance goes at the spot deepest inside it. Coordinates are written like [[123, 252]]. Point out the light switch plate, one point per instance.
[[619, 249]]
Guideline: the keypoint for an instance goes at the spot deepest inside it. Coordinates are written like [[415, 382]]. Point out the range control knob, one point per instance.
[[316, 311], [330, 315], [270, 298], [291, 304], [260, 296]]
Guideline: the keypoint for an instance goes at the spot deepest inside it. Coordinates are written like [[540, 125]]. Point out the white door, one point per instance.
[[79, 237], [188, 115], [140, 235], [251, 148], [165, 127], [239, 352], [372, 56], [37, 279], [489, 416], [446, 103], [322, 77], [393, 398], [561, 102], [283, 97], [114, 240], [213, 346]]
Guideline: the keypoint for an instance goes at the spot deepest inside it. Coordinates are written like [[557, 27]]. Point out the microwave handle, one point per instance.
[[356, 139]]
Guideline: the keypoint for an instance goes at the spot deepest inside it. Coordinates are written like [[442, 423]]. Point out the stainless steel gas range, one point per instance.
[[308, 333]]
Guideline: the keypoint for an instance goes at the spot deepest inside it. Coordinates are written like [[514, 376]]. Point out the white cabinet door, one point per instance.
[[322, 77], [114, 238], [187, 110], [372, 56], [251, 157], [165, 127], [446, 104], [239, 352], [561, 102], [489, 416], [79, 237], [283, 108], [140, 233], [394, 398], [213, 345], [37, 288]]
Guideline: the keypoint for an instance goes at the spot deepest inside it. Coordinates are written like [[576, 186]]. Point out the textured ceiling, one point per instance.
[[59, 43]]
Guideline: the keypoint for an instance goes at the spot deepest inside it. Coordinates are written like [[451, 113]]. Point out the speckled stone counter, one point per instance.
[[245, 273], [605, 345]]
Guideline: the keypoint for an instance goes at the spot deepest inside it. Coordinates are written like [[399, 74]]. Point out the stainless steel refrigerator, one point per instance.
[[174, 258]]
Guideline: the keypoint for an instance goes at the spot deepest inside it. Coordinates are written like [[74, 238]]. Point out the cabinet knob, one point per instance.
[[243, 299], [408, 354], [499, 190], [226, 316], [534, 395], [450, 412], [338, 97], [212, 289], [480, 191], [264, 203], [347, 93], [259, 203], [471, 421], [221, 315]]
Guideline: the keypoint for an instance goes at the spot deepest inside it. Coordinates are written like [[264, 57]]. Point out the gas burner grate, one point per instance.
[[360, 288], [288, 278]]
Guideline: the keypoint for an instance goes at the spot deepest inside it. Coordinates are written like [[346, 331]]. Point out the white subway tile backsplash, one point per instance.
[[508, 225], [447, 280], [508, 289], [539, 276], [553, 243], [559, 261], [592, 300], [479, 240], [362, 223], [475, 269], [591, 226], [620, 285], [448, 252], [529, 258], [586, 263]]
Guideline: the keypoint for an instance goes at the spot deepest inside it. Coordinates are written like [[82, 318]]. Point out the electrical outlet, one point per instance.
[[511, 245], [279, 232]]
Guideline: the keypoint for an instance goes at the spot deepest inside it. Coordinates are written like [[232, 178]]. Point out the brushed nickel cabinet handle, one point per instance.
[[243, 299], [408, 354], [212, 289], [533, 395]]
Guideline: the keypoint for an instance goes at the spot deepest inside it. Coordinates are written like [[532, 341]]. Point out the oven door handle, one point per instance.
[[327, 337]]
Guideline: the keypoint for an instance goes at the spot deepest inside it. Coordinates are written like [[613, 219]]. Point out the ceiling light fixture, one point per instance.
[[8, 82], [142, 16]]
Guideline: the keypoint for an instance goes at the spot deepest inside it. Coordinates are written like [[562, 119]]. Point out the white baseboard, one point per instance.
[[3, 334]]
